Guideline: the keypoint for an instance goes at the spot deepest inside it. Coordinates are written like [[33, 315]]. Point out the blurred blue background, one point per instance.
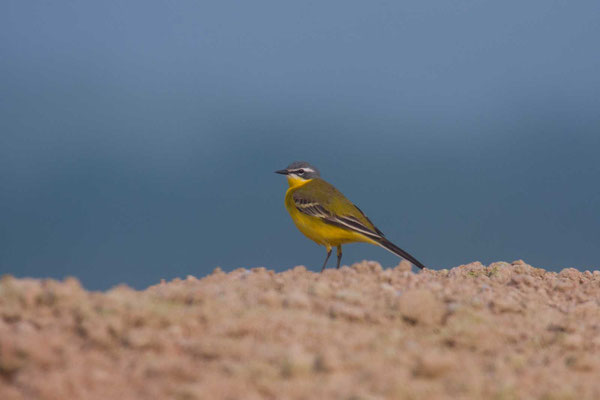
[[138, 139]]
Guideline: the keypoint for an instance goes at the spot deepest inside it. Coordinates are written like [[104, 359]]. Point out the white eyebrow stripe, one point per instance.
[[304, 169]]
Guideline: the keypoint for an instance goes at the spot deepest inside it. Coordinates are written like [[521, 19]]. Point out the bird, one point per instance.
[[323, 214]]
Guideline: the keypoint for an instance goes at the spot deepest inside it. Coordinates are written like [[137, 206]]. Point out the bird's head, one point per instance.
[[299, 172]]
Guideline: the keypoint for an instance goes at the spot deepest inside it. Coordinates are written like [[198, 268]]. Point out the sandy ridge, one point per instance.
[[505, 331]]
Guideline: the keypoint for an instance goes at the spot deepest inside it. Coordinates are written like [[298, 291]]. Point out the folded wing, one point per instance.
[[317, 203], [315, 209]]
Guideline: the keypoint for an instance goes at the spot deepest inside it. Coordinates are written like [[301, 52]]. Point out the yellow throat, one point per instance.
[[294, 181]]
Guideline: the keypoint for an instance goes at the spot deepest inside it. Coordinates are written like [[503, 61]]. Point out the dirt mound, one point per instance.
[[505, 331]]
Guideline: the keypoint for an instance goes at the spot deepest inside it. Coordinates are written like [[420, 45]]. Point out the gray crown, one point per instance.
[[310, 171]]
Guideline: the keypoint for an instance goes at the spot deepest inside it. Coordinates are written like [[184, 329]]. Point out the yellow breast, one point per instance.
[[313, 227]]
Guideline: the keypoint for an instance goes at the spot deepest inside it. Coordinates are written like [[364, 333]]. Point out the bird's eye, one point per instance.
[[300, 171]]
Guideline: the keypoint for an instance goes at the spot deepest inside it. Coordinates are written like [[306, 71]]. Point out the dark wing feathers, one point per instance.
[[367, 218], [317, 198], [313, 208]]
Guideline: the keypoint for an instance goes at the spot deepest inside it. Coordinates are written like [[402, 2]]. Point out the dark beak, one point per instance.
[[282, 172]]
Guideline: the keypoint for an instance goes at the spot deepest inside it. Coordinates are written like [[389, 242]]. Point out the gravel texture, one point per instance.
[[505, 331]]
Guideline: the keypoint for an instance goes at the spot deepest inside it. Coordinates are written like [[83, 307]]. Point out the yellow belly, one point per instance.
[[315, 229]]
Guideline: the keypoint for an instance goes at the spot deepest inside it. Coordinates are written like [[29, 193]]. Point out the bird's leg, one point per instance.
[[339, 255], [326, 258]]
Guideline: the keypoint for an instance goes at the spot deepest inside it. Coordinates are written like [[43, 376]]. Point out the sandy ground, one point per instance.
[[505, 331]]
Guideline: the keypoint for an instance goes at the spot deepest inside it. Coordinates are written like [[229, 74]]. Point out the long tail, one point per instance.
[[391, 247]]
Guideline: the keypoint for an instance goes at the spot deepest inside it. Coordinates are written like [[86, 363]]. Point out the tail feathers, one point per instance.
[[391, 247]]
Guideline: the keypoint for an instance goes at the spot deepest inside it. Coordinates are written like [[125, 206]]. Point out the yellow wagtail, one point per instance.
[[326, 216]]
